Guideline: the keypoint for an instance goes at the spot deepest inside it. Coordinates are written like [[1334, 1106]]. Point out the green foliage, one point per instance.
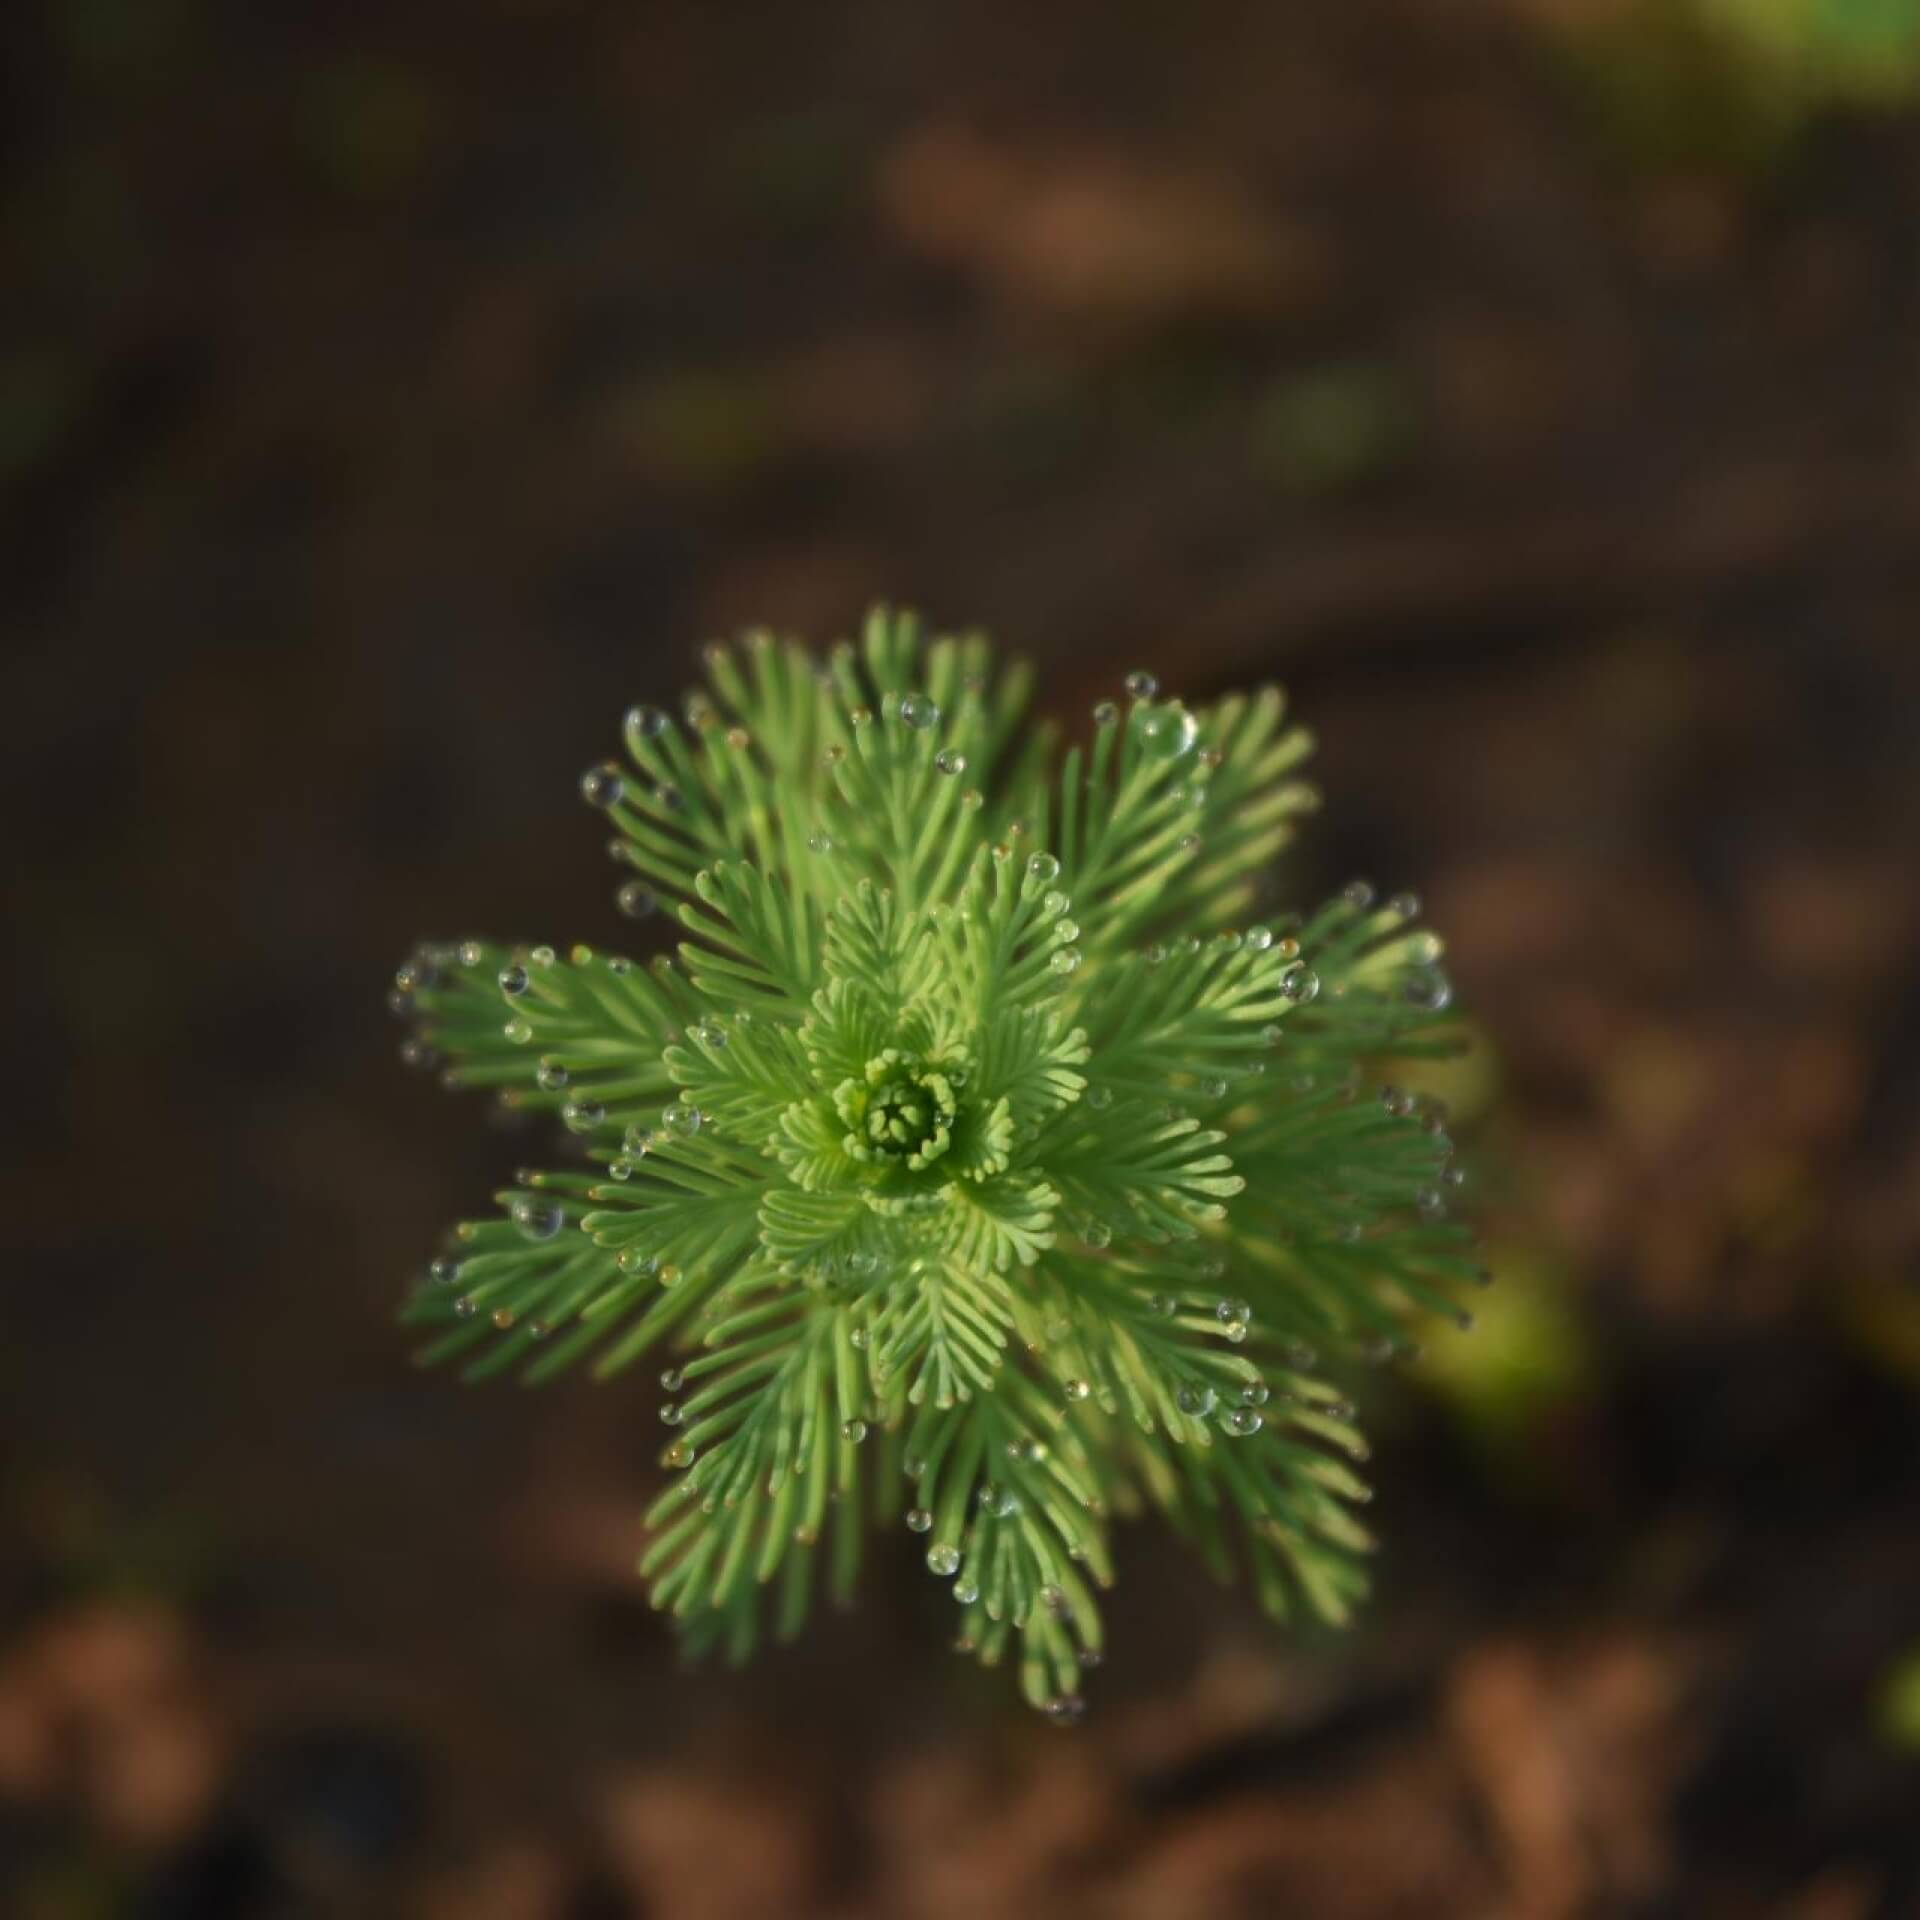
[[1732, 84], [981, 1163]]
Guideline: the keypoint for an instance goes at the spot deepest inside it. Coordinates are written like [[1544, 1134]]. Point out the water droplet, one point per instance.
[[1099, 1098], [1430, 1203], [1105, 714], [1242, 1421], [1299, 983], [669, 1274], [1000, 1502], [1189, 843], [672, 1379], [1044, 868], [1090, 1657], [1214, 1087], [918, 711], [670, 1415], [1054, 1601], [966, 1591], [536, 1219], [972, 800], [943, 1559], [648, 723], [637, 900], [422, 1055], [853, 1431], [1141, 685], [1256, 1393], [1195, 1400], [1171, 732], [1397, 1101], [1427, 988], [1065, 931], [1065, 959], [513, 981], [1097, 1234], [550, 1076], [633, 1260], [443, 1272], [919, 1520], [1066, 1709], [947, 760], [670, 797], [859, 1338], [1404, 906], [681, 1118], [582, 1116], [680, 1454], [1358, 894], [466, 1306], [1165, 1305], [1077, 1390], [1232, 1310], [602, 786]]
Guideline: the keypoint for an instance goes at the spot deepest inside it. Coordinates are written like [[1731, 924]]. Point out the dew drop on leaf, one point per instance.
[[536, 1219], [601, 787], [1427, 988]]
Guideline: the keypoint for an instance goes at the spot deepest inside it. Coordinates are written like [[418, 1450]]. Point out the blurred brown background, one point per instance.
[[390, 395]]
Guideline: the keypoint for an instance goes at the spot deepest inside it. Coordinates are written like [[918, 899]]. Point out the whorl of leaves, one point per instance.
[[985, 1164]]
